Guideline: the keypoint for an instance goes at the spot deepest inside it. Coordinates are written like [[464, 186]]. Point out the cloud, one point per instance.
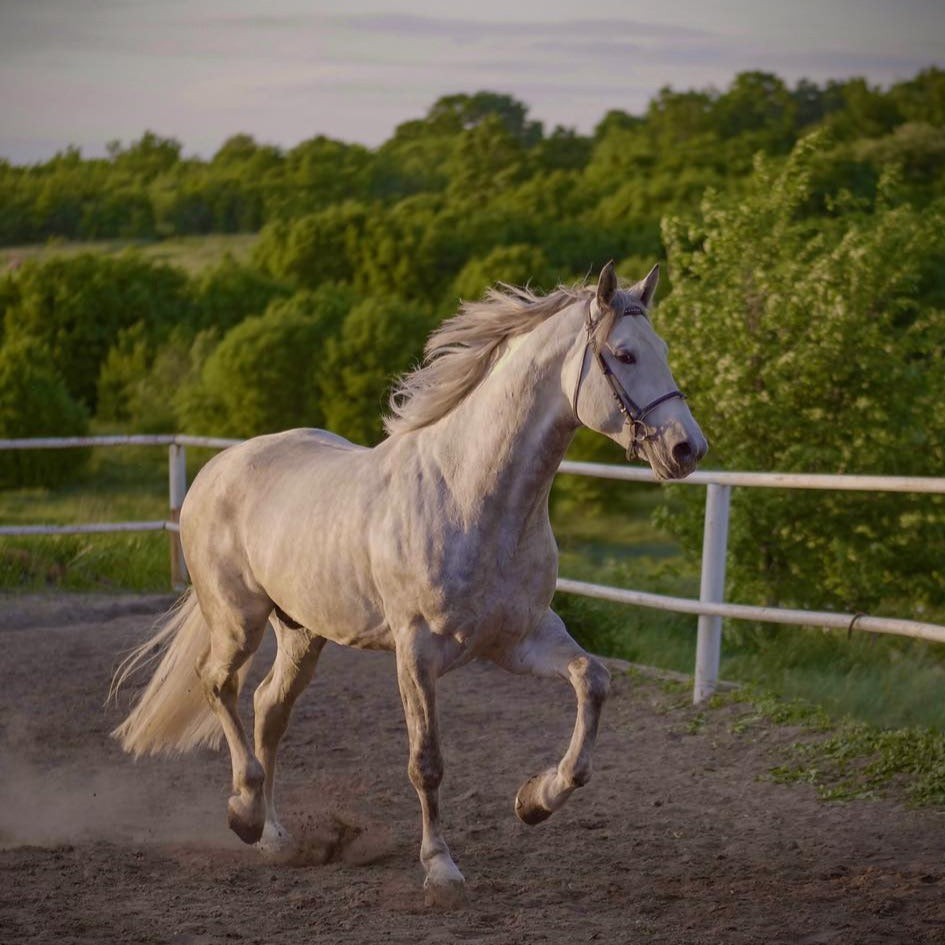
[[466, 30], [84, 71]]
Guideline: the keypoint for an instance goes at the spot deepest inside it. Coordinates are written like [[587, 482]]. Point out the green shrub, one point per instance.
[[261, 376], [379, 339], [812, 344], [34, 402], [77, 306], [515, 265]]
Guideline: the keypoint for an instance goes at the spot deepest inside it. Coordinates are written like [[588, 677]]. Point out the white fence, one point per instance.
[[710, 608]]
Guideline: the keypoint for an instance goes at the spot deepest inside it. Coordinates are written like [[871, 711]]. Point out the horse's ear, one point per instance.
[[606, 286], [645, 289]]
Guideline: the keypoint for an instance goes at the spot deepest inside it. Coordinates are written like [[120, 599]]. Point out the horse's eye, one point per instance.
[[625, 357]]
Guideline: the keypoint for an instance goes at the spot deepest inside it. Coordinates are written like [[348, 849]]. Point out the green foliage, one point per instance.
[[316, 248], [842, 758], [860, 760], [412, 251], [806, 344], [515, 265], [76, 308], [319, 173], [34, 402], [142, 386], [379, 339], [467, 147], [230, 291], [127, 360], [260, 378]]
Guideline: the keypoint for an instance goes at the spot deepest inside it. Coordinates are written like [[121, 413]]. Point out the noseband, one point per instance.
[[634, 415]]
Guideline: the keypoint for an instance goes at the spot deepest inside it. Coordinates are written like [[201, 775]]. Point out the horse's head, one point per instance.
[[625, 389]]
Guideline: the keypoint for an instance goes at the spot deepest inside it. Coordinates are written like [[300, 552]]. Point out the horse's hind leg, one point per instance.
[[235, 633], [291, 672], [550, 651]]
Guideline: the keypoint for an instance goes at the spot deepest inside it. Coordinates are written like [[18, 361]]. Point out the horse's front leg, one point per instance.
[[444, 883], [550, 651]]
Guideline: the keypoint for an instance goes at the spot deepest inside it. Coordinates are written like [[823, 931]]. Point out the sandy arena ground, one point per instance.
[[675, 840]]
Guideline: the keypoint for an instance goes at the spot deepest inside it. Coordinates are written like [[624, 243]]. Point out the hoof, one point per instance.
[[447, 896], [246, 820], [528, 806], [276, 843]]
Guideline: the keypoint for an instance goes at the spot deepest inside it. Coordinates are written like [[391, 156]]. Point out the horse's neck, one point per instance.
[[500, 448]]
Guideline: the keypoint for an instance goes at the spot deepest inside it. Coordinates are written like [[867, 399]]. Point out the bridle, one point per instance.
[[634, 415]]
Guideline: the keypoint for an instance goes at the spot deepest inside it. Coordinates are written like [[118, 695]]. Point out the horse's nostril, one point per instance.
[[682, 452]]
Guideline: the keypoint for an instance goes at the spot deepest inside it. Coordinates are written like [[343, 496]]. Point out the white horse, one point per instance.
[[435, 544]]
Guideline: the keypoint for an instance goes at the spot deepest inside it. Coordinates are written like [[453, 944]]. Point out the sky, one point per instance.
[[86, 72]]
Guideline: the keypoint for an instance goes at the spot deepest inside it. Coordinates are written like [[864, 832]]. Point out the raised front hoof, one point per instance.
[[447, 896], [528, 807], [246, 819]]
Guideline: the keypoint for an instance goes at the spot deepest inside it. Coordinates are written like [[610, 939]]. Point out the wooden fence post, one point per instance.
[[712, 590], [177, 484]]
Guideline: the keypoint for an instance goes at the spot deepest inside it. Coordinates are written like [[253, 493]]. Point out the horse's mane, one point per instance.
[[459, 353]]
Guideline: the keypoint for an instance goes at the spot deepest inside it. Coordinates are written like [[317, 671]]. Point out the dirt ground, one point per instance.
[[675, 840]]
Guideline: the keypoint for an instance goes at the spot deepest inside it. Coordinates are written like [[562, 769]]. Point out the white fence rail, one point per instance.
[[710, 608]]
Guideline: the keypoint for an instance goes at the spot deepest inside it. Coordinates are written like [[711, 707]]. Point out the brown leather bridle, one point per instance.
[[634, 415]]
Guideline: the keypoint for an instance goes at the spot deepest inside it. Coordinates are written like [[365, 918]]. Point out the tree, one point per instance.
[[465, 112], [260, 378], [922, 99], [316, 248], [515, 265], [225, 294], [76, 307], [379, 339], [147, 157], [756, 102], [411, 251], [34, 402], [487, 158], [810, 345]]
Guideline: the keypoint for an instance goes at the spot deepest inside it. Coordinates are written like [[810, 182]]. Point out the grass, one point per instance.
[[193, 253], [844, 758], [126, 483], [886, 681]]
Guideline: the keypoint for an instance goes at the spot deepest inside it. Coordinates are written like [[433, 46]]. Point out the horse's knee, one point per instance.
[[425, 770]]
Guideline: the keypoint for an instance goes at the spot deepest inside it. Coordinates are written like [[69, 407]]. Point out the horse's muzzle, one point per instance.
[[671, 453]]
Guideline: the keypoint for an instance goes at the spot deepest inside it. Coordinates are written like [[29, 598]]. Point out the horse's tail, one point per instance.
[[172, 714]]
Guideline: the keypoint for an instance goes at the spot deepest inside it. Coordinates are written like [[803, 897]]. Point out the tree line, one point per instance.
[[469, 148], [804, 231]]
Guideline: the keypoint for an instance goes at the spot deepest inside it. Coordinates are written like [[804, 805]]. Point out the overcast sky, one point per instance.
[[85, 72]]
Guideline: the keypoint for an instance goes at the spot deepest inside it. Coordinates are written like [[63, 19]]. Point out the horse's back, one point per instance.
[[264, 478]]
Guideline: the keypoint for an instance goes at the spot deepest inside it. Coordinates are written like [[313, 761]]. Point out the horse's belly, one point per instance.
[[329, 590]]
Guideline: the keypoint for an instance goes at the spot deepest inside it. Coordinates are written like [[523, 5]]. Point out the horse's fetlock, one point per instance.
[[581, 776], [255, 776]]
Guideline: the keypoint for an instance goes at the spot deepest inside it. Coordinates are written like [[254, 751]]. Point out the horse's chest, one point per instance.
[[478, 592]]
